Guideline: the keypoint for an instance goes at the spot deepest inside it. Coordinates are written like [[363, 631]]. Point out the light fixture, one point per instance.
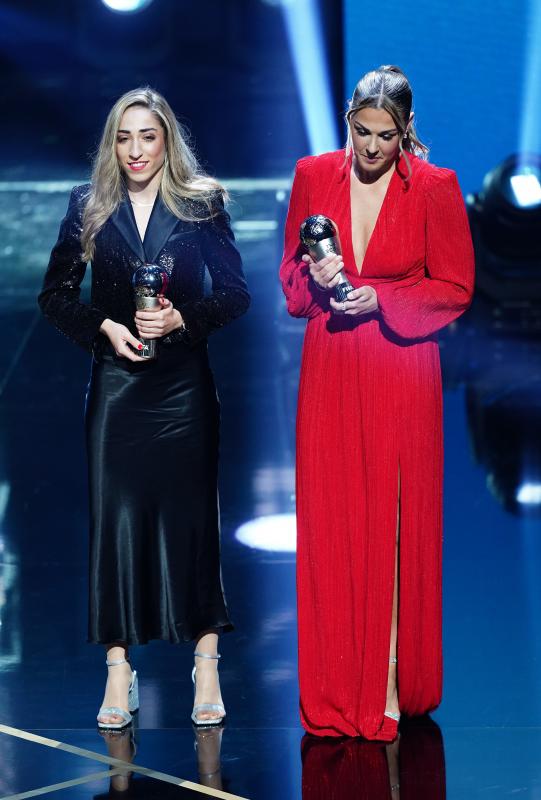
[[506, 217], [526, 188], [496, 347], [505, 221], [529, 494], [127, 6], [275, 532]]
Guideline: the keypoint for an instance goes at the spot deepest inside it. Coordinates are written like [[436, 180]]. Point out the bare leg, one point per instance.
[[207, 681], [392, 692], [118, 682]]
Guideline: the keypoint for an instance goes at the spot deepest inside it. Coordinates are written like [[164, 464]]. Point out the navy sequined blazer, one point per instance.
[[182, 248]]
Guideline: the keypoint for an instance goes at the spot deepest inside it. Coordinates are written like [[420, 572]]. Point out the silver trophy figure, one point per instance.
[[319, 235], [148, 281]]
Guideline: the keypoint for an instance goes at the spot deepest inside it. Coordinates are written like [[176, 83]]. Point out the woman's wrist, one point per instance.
[[106, 326], [179, 322], [323, 289]]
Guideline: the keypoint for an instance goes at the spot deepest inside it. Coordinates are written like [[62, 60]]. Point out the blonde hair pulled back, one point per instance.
[[389, 89]]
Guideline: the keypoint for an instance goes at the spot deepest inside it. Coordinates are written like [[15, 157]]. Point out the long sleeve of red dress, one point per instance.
[[369, 440], [303, 297], [418, 310]]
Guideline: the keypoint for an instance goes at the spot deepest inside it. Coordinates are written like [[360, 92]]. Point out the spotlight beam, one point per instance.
[[530, 136], [305, 38]]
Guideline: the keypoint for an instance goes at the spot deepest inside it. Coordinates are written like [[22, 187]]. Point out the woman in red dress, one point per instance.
[[369, 423]]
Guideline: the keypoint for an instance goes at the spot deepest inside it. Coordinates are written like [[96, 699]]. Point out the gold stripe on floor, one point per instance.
[[95, 776], [116, 762]]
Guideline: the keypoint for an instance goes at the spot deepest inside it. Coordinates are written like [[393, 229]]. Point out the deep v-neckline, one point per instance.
[[376, 224]]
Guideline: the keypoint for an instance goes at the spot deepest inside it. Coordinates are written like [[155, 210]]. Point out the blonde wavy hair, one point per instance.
[[388, 88], [182, 181]]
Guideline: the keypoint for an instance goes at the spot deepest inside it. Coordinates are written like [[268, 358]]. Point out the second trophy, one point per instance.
[[319, 234]]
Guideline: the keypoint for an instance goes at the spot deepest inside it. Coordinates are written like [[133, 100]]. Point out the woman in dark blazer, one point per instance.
[[151, 426]]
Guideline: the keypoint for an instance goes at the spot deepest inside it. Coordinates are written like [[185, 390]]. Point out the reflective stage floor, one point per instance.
[[484, 740]]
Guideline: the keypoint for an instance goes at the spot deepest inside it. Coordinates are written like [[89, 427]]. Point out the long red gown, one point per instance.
[[369, 407]]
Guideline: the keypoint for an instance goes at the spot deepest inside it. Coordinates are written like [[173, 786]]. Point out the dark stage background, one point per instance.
[[225, 67]]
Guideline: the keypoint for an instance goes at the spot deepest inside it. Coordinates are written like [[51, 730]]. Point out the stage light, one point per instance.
[[519, 181], [511, 194], [527, 189], [275, 533], [307, 49], [505, 218], [496, 346], [127, 6], [529, 494]]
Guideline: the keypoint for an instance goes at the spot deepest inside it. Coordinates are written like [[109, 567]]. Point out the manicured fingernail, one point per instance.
[[139, 346]]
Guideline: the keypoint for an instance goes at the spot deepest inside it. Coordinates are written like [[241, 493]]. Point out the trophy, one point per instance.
[[148, 281], [319, 235]]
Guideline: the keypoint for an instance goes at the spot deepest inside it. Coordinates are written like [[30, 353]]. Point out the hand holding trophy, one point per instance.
[[319, 234], [149, 281]]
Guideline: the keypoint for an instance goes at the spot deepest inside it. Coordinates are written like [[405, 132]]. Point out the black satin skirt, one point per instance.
[[152, 439]]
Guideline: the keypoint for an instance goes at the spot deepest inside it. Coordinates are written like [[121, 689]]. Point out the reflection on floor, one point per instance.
[[51, 682], [123, 774]]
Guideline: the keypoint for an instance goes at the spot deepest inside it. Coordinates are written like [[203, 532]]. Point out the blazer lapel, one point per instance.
[[124, 221], [160, 227]]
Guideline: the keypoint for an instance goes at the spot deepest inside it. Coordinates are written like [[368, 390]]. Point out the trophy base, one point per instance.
[[142, 303], [149, 350], [342, 290]]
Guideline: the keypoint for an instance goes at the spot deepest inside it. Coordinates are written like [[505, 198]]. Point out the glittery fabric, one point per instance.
[[182, 248], [370, 410]]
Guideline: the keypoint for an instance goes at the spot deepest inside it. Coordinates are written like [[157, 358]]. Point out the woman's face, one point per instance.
[[140, 145], [375, 139]]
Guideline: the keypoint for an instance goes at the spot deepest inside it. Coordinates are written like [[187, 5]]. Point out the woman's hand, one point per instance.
[[155, 322], [325, 272], [121, 339], [360, 301]]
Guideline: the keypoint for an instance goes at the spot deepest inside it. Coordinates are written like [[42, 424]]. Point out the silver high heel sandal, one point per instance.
[[206, 706], [133, 702], [391, 714]]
